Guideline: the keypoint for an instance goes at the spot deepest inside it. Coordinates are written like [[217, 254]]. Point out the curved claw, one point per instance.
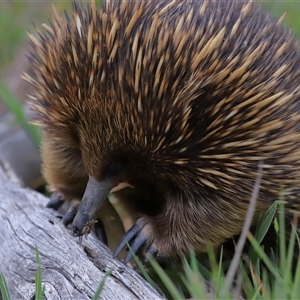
[[139, 241], [100, 232], [137, 237], [69, 215], [55, 202], [131, 233]]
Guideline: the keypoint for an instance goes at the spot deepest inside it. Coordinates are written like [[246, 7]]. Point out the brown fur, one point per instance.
[[187, 96]]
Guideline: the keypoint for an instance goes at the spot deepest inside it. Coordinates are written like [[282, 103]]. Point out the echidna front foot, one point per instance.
[[57, 201], [138, 237]]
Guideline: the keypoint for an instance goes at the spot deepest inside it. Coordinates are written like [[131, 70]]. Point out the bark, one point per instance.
[[70, 269]]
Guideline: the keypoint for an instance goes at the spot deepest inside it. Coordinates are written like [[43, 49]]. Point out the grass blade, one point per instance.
[[166, 280], [39, 289], [260, 252], [192, 280], [282, 238], [4, 288], [266, 222], [101, 285]]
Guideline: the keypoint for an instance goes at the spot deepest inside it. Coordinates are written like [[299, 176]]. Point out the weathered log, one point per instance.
[[70, 269]]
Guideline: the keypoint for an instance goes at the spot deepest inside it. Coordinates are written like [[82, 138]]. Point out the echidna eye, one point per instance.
[[114, 169]]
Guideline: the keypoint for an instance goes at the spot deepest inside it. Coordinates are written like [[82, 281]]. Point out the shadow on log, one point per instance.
[[70, 270]]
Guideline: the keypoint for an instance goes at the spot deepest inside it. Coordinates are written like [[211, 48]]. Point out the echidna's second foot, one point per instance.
[[138, 237]]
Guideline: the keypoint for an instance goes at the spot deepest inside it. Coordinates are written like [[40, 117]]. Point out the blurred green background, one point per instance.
[[15, 18]]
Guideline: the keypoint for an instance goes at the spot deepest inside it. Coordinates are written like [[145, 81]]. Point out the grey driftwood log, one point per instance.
[[70, 270]]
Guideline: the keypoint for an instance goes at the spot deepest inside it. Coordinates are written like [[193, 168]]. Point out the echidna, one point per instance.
[[180, 100]]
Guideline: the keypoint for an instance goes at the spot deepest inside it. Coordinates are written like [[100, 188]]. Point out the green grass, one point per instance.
[[39, 288], [4, 288], [263, 277]]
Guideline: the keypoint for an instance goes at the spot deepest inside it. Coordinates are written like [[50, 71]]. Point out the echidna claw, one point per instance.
[[55, 202], [136, 239], [138, 242], [128, 236], [69, 215]]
